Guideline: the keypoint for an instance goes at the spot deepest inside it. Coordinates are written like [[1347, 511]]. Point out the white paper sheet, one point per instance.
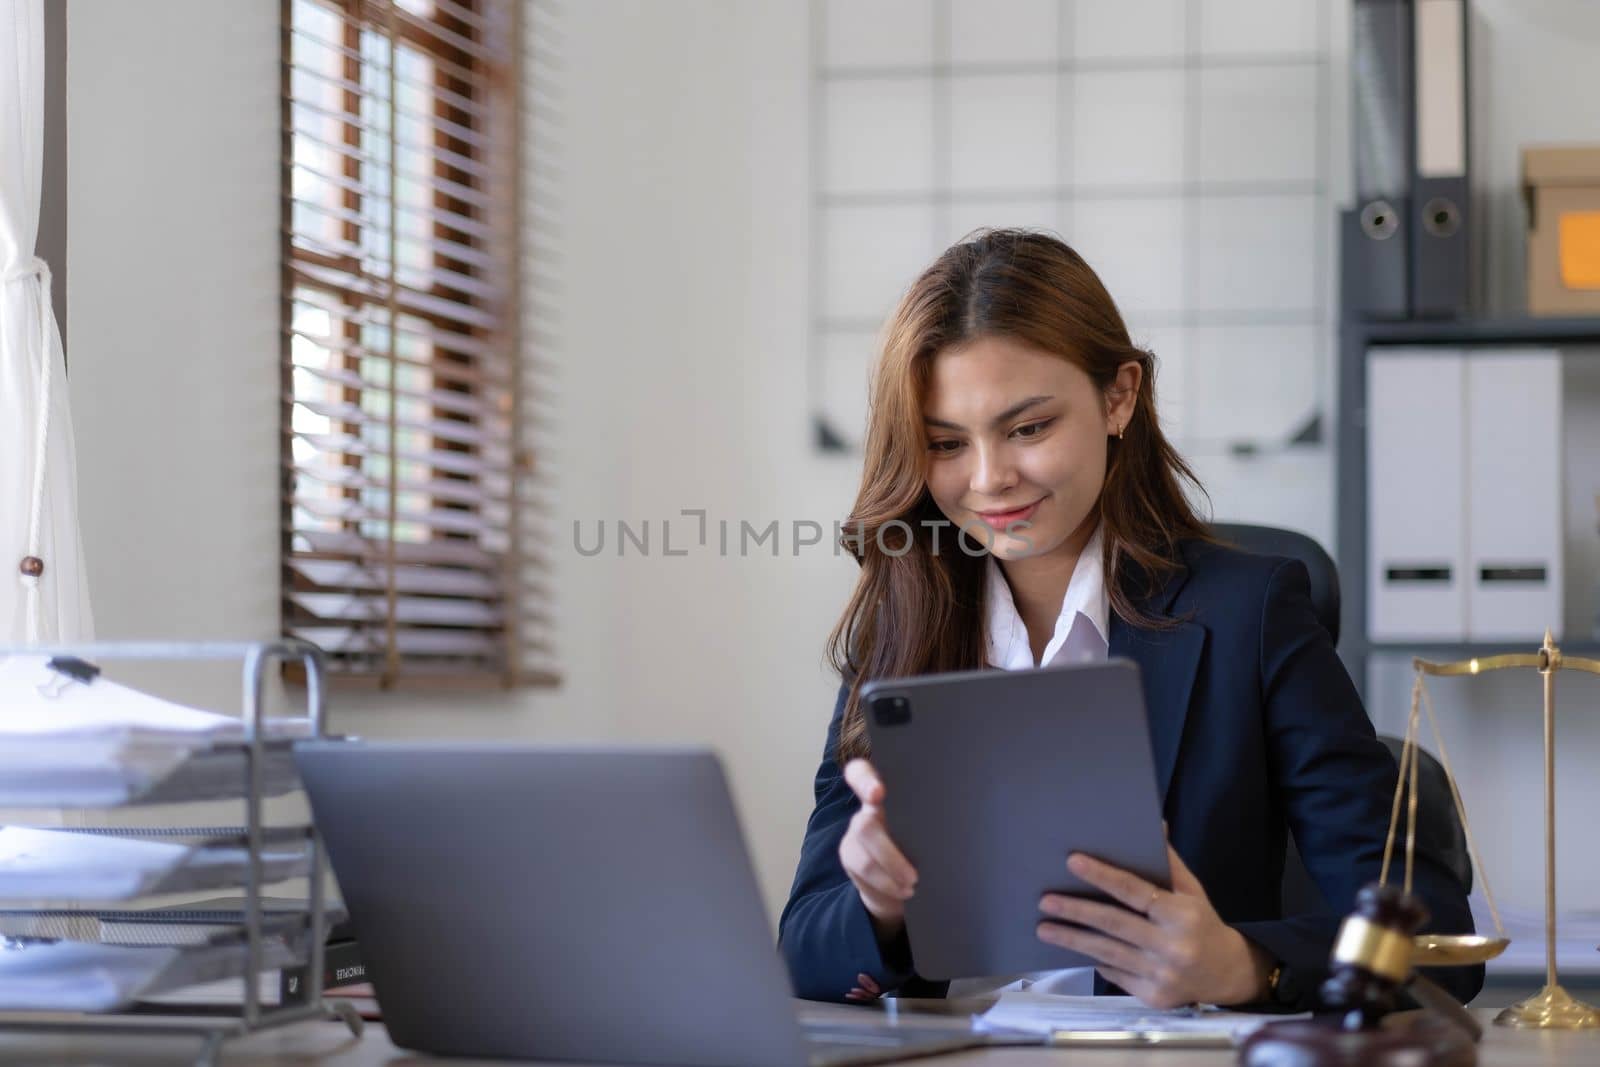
[[38, 702], [1044, 1014], [82, 976], [100, 744], [37, 864]]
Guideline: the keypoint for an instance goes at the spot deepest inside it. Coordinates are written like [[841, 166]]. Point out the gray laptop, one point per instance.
[[568, 904]]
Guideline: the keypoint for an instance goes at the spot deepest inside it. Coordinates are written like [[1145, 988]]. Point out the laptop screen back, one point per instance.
[[560, 904]]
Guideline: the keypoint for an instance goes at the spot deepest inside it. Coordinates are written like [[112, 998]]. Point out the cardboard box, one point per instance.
[[1562, 186]]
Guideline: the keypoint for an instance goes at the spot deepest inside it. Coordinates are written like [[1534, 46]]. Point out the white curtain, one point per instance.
[[44, 596]]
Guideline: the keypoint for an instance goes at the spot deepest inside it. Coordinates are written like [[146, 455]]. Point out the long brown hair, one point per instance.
[[918, 605]]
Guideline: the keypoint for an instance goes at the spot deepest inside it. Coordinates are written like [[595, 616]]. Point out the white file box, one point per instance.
[[1514, 497], [1416, 505]]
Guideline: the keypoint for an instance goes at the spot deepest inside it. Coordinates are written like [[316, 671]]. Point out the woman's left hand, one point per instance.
[[865, 990], [1166, 948]]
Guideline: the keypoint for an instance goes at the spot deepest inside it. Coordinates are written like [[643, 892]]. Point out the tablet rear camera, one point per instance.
[[891, 711]]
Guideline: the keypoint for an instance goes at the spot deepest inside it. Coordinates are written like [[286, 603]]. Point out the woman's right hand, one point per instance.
[[877, 868]]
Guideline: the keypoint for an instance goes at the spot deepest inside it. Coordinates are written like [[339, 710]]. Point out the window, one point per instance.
[[402, 444]]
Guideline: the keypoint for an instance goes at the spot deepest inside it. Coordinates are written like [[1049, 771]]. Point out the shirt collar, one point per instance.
[[1086, 595]]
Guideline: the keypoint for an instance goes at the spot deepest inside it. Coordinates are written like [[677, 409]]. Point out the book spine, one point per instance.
[[341, 966]]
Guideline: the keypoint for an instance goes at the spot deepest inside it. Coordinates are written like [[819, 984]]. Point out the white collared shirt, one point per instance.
[[1081, 635], [1083, 628]]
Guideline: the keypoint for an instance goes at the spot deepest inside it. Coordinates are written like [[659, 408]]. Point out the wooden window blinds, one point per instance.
[[402, 433]]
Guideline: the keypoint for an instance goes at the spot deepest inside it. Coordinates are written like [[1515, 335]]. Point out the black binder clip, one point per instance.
[[67, 671]]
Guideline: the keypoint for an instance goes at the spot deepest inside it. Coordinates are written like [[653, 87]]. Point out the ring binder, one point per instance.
[[1439, 230], [1405, 245], [1374, 236]]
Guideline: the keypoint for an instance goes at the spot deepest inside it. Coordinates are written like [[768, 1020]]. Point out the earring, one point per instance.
[[1120, 430]]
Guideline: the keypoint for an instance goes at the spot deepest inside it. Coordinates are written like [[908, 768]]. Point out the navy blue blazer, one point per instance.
[[1257, 733]]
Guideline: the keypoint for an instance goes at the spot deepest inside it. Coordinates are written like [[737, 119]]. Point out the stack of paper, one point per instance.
[[81, 976], [229, 991], [40, 864], [67, 743], [1047, 1015]]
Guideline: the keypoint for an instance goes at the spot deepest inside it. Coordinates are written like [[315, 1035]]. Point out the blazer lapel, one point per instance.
[[1168, 660]]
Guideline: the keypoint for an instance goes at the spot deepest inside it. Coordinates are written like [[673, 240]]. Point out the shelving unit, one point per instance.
[[213, 1024], [1356, 338]]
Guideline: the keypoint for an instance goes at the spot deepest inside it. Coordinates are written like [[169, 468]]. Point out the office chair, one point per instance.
[[1439, 832]]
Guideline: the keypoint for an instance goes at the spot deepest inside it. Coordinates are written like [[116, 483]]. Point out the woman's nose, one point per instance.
[[995, 473]]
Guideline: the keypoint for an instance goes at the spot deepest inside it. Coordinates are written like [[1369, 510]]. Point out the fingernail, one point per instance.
[[1076, 862]]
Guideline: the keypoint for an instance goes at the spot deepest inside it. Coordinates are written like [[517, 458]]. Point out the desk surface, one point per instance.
[[329, 1043]]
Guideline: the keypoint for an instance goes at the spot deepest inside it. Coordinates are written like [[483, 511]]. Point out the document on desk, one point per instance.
[[80, 976], [54, 864], [68, 743], [1058, 1018]]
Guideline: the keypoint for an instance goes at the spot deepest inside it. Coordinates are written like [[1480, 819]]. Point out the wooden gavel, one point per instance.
[[1372, 965]]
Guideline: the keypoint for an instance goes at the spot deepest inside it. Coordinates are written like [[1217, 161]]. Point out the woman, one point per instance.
[[1010, 406]]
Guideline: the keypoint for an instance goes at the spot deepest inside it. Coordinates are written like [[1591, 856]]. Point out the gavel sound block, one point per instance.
[[1371, 965]]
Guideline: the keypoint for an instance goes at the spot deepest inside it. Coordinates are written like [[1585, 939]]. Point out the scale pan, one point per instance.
[[1455, 950]]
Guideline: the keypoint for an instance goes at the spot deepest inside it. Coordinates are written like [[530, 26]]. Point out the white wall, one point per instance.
[[679, 375], [683, 344], [173, 200]]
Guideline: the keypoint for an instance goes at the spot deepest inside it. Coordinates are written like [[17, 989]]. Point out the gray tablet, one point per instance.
[[992, 778]]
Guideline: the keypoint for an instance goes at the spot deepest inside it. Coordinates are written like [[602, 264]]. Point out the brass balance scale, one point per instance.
[[1552, 1008]]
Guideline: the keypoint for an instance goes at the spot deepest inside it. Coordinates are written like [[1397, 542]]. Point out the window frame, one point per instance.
[[470, 291]]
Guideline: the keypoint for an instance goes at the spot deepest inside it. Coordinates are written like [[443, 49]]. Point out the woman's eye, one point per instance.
[[943, 447], [1032, 429]]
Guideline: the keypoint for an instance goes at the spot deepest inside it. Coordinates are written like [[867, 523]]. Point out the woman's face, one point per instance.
[[1017, 438]]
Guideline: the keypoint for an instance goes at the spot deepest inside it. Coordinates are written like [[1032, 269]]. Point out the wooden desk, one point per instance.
[[317, 1044]]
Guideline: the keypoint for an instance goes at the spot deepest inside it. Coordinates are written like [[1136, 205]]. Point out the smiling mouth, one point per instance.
[[999, 520]]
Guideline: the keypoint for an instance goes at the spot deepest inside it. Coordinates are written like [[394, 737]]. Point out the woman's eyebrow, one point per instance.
[[1005, 416]]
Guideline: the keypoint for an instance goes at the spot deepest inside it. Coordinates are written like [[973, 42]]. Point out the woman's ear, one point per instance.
[[1122, 396]]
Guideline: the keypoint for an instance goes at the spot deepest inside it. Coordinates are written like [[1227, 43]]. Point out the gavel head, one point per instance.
[[1372, 956]]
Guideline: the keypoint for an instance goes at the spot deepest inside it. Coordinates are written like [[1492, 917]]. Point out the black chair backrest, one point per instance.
[[1439, 831], [1273, 541]]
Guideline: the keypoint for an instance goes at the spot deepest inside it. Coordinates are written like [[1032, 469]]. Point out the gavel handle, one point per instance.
[[1433, 997]]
